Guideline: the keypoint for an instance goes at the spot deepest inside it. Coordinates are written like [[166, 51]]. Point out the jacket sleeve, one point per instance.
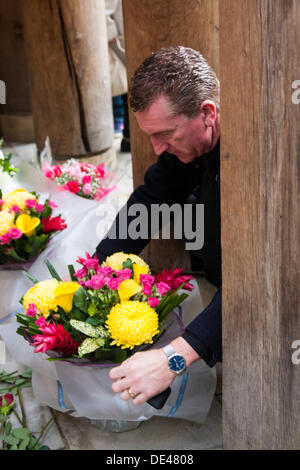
[[164, 182], [204, 333]]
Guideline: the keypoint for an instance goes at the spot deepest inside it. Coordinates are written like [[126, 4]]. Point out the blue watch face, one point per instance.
[[177, 363]]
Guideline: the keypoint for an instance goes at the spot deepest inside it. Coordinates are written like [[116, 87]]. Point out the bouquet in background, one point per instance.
[[5, 165], [26, 225], [103, 313], [84, 179]]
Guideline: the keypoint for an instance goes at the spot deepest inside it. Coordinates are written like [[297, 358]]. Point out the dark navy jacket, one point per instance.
[[171, 181]]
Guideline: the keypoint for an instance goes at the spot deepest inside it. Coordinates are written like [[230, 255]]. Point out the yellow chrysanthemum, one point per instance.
[[116, 260], [18, 198], [27, 224], [132, 323], [42, 296], [127, 289], [64, 294], [6, 221]]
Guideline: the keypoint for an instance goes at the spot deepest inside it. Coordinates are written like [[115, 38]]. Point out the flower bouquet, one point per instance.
[[104, 313], [26, 226], [84, 179]]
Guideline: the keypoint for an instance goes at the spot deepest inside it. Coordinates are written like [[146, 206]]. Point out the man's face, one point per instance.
[[183, 137]]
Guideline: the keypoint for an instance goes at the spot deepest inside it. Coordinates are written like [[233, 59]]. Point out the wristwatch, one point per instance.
[[176, 361]]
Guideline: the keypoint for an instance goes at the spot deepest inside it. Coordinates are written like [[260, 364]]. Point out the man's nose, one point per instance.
[[158, 146]]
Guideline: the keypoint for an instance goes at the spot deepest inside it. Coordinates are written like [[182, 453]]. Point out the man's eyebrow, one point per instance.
[[166, 131]]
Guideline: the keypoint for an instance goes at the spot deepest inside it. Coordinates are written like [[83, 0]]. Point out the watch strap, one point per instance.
[[169, 350]]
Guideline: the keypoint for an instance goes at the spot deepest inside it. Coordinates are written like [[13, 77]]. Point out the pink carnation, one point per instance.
[[57, 171], [96, 282], [87, 189], [72, 186], [1, 202], [147, 289], [81, 273], [14, 233], [124, 274], [162, 288], [48, 172], [52, 205], [39, 207], [113, 283], [105, 270], [31, 310], [30, 203], [14, 208], [101, 171], [146, 279], [86, 179], [153, 302], [89, 262], [4, 239]]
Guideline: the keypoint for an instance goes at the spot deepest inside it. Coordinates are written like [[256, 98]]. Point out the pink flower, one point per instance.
[[113, 283], [162, 288], [52, 205], [30, 203], [147, 279], [75, 171], [39, 207], [105, 270], [54, 337], [14, 233], [89, 262], [147, 289], [86, 167], [57, 171], [14, 208], [153, 302], [48, 171], [4, 239], [81, 273], [101, 171], [96, 282], [86, 179], [124, 274], [31, 310], [41, 322], [174, 280], [72, 186], [1, 202], [87, 189]]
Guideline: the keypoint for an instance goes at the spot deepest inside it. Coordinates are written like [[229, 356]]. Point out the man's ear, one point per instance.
[[209, 112]]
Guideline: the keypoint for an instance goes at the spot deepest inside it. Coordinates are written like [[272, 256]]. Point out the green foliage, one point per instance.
[[5, 165]]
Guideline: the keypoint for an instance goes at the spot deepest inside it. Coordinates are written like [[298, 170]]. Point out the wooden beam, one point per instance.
[[69, 70], [150, 25], [260, 194]]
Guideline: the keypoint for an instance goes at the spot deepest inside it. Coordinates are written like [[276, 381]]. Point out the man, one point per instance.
[[175, 98]]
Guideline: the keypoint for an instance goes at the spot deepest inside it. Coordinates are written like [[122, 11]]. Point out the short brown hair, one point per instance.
[[179, 73]]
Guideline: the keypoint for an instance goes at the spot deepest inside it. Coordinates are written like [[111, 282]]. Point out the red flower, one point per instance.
[[174, 280], [53, 225], [8, 397], [56, 338], [72, 186]]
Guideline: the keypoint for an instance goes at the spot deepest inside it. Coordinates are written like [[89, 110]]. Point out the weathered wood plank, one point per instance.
[[260, 185], [69, 70]]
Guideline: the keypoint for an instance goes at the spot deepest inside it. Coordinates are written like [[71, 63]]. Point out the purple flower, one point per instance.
[[14, 233]]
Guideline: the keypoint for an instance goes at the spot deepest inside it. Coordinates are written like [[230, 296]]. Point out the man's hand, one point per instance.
[[146, 374]]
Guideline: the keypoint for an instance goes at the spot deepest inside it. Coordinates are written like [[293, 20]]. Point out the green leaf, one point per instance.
[[116, 355], [89, 330], [11, 440], [43, 448], [52, 271], [127, 264], [24, 443], [92, 310], [7, 429], [21, 433], [30, 277], [90, 345], [27, 374], [72, 272], [81, 300]]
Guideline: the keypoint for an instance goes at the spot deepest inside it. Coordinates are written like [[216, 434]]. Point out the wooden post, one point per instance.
[[260, 194], [150, 25], [15, 115], [69, 70]]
